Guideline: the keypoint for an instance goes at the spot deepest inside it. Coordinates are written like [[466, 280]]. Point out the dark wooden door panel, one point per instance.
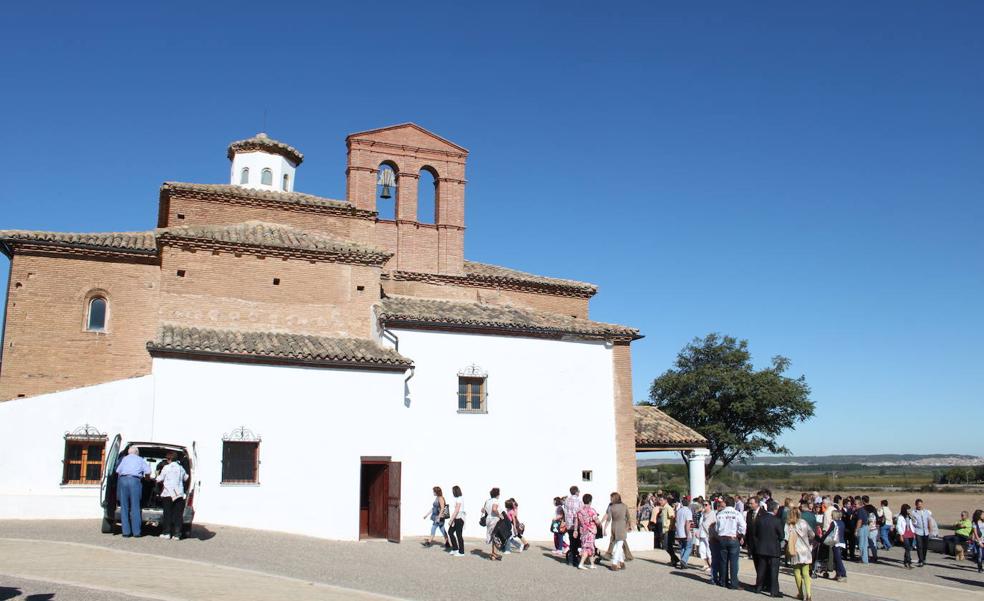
[[393, 502]]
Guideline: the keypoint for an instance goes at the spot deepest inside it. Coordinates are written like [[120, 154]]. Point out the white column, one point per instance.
[[696, 459]]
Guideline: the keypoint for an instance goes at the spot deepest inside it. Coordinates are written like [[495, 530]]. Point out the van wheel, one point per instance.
[[107, 526]]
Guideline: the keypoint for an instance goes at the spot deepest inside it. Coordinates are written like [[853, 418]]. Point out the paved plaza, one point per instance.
[[71, 560]]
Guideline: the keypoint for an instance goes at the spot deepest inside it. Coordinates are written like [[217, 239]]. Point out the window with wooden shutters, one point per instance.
[[472, 390], [85, 450], [241, 457]]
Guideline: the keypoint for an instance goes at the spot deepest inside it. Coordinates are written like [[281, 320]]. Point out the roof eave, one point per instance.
[[165, 352]]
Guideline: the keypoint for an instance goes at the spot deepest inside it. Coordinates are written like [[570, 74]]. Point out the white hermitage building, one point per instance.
[[324, 368]]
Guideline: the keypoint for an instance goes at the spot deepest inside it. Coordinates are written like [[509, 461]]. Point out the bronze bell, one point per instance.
[[387, 179]]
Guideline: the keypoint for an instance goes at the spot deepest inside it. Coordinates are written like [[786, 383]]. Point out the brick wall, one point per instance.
[[628, 484], [226, 291], [46, 348], [203, 212]]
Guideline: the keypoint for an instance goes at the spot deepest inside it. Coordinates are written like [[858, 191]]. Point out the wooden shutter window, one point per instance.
[[84, 458], [471, 395]]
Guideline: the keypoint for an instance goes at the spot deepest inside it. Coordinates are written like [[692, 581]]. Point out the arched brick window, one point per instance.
[[244, 176], [286, 183], [266, 177], [96, 314]]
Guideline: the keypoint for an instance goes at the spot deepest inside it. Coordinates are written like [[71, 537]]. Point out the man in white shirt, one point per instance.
[[730, 526], [922, 520], [684, 532], [172, 476]]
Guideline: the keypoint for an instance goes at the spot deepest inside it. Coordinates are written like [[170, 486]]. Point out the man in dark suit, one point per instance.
[[750, 514], [768, 548]]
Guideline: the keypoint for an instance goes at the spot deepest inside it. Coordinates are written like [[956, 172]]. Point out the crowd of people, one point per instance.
[[813, 536]]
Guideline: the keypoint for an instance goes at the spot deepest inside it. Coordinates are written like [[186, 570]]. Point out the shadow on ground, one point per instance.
[[7, 592], [962, 580]]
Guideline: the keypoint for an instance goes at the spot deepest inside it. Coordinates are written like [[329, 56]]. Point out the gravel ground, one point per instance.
[[19, 589], [411, 571]]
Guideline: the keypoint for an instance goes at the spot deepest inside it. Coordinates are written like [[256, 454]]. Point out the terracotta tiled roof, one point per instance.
[[495, 273], [276, 347], [655, 429], [230, 190], [127, 242], [444, 314], [275, 236], [483, 275], [265, 143]]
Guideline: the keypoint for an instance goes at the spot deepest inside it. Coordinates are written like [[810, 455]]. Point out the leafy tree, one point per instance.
[[715, 390]]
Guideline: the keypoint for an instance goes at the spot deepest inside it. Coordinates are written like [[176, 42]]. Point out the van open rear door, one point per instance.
[[108, 467], [107, 496]]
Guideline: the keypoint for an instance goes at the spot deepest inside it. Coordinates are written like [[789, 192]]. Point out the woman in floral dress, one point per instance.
[[587, 526]]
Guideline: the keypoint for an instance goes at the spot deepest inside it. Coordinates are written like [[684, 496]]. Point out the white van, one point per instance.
[[151, 510]]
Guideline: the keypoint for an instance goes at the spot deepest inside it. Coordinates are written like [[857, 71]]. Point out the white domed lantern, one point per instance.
[[263, 163]]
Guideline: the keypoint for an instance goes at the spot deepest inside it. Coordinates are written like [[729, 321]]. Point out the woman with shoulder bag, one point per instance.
[[490, 517], [837, 544], [903, 526], [587, 524], [438, 514], [799, 549]]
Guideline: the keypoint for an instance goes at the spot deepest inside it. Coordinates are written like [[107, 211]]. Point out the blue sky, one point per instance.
[[806, 176]]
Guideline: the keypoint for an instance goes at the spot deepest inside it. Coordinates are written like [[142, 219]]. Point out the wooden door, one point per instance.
[[393, 502]]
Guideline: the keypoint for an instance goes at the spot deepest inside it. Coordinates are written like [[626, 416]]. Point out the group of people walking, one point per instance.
[[813, 537]]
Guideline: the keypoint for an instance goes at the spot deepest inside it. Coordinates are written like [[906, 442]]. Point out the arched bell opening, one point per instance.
[[387, 190], [427, 195]]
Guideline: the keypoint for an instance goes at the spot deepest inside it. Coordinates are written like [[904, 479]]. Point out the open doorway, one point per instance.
[[379, 499]]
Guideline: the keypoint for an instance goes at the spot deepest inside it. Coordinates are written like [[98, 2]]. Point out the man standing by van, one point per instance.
[[129, 489]]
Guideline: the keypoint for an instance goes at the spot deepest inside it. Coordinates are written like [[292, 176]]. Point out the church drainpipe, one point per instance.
[[389, 335]]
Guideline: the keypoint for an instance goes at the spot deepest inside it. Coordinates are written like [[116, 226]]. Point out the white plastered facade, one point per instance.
[[550, 417]]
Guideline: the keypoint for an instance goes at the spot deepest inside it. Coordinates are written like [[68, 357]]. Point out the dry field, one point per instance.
[[946, 507]]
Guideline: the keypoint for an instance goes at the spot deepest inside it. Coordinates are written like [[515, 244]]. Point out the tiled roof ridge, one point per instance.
[[130, 242], [263, 142], [470, 314], [494, 272], [290, 347], [485, 275], [296, 199], [275, 235]]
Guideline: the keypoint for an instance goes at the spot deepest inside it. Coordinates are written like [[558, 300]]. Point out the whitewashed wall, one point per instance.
[[32, 444], [256, 161], [550, 416]]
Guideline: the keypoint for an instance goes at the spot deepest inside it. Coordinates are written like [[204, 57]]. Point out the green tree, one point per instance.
[[715, 390]]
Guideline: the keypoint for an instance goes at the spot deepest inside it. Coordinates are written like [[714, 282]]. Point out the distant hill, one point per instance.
[[942, 460]]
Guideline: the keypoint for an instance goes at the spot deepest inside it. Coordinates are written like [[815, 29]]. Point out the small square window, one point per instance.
[[181, 273], [180, 216], [471, 395], [360, 288], [276, 281], [586, 475]]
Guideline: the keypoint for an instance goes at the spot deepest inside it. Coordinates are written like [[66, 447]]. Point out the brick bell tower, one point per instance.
[[407, 150]]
